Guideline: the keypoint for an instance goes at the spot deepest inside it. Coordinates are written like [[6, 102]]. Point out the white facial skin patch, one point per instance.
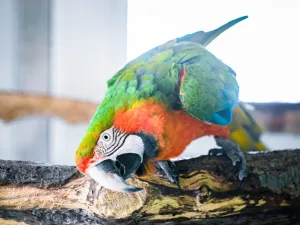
[[113, 142]]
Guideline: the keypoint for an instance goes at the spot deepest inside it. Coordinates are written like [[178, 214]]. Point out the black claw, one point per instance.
[[233, 152], [243, 180], [242, 183], [178, 185], [171, 171]]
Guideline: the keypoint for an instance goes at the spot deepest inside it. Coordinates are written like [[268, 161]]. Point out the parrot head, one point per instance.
[[115, 157]]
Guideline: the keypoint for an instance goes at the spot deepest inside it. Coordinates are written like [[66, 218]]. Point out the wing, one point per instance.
[[208, 88]]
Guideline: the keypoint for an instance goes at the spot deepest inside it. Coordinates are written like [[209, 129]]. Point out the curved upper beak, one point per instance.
[[112, 174]]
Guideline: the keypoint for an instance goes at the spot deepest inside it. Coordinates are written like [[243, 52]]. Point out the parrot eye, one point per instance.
[[106, 137]]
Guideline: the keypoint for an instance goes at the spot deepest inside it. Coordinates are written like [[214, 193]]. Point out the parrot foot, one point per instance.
[[234, 153], [171, 171]]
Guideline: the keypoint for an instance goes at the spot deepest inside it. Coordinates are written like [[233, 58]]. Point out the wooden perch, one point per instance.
[[16, 105], [32, 193]]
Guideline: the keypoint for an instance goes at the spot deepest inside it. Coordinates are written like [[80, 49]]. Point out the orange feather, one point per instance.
[[174, 130]]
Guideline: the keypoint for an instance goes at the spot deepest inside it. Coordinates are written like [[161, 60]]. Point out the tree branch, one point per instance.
[[45, 194], [16, 105]]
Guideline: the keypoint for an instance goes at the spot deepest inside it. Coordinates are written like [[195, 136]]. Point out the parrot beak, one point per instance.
[[112, 174]]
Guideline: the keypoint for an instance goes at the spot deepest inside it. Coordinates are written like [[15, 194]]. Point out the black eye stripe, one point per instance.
[[120, 143], [116, 140], [114, 131], [116, 145]]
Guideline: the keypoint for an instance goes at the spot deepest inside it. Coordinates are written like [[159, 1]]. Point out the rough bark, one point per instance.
[[33, 193]]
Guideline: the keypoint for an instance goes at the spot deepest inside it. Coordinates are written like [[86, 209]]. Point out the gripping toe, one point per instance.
[[233, 152]]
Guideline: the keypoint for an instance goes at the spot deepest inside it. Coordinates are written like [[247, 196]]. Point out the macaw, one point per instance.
[[157, 105]]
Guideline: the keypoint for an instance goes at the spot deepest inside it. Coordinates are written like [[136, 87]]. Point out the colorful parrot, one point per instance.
[[157, 105]]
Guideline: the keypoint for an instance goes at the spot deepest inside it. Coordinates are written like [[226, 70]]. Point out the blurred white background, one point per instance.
[[263, 49], [70, 48]]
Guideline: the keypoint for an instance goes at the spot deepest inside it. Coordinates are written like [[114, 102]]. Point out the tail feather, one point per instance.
[[205, 38], [245, 131]]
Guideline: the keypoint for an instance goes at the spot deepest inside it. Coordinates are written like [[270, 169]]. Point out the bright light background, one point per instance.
[[264, 50]]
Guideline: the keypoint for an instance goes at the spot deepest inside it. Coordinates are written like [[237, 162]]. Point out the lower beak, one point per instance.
[[112, 174]]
